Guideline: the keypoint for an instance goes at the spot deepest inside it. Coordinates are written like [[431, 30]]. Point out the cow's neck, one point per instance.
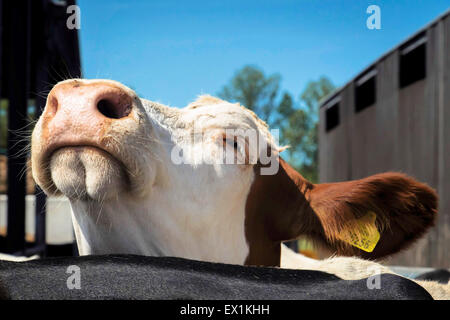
[[161, 227]]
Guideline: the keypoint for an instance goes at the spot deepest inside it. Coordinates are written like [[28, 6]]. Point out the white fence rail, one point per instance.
[[58, 219]]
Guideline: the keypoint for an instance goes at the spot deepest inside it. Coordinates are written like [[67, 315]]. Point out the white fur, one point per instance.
[[7, 257], [350, 268]]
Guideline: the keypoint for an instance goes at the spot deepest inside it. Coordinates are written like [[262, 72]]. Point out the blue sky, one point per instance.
[[172, 51]]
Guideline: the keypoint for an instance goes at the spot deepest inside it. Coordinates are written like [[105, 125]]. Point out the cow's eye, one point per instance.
[[240, 147], [231, 142]]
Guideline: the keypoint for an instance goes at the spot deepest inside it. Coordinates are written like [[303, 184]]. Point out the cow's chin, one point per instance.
[[86, 173]]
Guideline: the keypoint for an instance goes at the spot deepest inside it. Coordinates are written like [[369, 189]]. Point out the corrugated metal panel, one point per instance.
[[406, 130], [334, 142]]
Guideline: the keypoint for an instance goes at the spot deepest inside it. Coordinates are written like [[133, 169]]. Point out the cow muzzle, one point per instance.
[[81, 145]]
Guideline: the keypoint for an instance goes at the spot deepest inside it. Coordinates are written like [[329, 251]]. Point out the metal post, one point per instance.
[[41, 79], [16, 18]]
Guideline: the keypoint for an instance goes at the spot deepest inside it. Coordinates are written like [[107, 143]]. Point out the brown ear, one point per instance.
[[402, 210], [286, 206]]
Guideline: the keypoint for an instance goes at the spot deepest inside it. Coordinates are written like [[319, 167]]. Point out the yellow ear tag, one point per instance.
[[362, 233]]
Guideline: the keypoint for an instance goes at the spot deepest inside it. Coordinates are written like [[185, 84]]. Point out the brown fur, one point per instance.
[[405, 209], [276, 210], [285, 206]]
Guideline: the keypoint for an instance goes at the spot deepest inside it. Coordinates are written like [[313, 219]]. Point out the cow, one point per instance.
[[207, 182], [131, 277], [439, 275]]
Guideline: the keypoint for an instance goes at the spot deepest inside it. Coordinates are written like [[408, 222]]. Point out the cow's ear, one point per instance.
[[372, 217]]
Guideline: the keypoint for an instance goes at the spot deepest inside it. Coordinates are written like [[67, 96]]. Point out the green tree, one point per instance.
[[297, 121], [253, 89], [302, 132]]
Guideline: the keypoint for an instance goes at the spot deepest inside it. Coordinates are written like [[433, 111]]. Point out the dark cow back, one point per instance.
[[440, 275], [138, 277]]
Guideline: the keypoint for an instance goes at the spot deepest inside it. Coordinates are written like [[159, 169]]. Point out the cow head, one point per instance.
[[204, 182]]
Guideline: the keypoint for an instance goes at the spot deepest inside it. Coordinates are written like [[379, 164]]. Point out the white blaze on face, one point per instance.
[[127, 193]]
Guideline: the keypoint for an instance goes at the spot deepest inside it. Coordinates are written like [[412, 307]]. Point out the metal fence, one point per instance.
[[36, 50]]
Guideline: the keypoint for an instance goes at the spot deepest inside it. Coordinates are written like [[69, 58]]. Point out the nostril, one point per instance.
[[113, 110], [52, 105]]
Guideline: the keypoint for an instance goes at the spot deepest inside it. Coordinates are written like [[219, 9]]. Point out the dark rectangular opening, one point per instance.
[[332, 116], [365, 90], [413, 61]]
